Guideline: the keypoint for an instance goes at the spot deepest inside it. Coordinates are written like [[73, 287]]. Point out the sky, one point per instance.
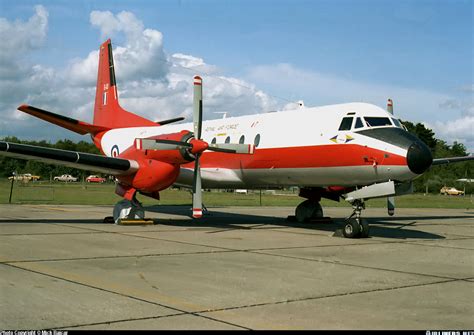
[[254, 56]]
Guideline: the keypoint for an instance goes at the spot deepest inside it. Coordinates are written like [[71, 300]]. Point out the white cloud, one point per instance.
[[18, 38], [458, 129], [109, 24], [150, 82], [22, 36]]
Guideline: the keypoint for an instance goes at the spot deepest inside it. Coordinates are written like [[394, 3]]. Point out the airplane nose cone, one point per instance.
[[419, 157]]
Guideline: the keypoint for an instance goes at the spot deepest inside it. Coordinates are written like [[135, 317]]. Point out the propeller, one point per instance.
[[160, 144], [197, 120], [390, 200], [195, 146]]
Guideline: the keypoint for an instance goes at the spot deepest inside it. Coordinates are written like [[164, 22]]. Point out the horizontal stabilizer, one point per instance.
[[74, 125], [78, 160], [177, 119]]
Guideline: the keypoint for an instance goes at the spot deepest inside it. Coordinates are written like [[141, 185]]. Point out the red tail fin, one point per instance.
[[107, 111]]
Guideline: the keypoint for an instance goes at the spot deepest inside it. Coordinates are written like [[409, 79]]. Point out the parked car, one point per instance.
[[65, 177], [451, 191], [95, 179], [25, 176]]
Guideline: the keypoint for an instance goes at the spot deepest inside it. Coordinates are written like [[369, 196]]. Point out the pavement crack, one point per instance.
[[325, 296], [181, 311]]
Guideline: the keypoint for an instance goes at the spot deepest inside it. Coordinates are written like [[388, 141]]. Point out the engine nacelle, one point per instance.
[[152, 176]]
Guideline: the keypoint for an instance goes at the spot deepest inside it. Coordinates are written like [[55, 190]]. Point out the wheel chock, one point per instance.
[[135, 222]]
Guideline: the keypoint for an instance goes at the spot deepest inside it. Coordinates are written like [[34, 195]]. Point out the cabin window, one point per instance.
[[242, 139], [213, 141], [256, 141], [377, 121], [227, 140], [346, 123], [359, 123]]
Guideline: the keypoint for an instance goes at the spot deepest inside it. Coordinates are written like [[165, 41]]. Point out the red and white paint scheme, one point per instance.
[[354, 151]]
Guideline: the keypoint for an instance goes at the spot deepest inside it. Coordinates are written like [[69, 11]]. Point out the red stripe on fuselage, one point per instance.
[[302, 157]]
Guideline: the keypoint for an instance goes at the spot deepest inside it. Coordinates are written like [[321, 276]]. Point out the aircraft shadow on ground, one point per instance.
[[387, 227], [399, 227]]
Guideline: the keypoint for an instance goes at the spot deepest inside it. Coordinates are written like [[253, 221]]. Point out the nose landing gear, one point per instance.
[[354, 225]]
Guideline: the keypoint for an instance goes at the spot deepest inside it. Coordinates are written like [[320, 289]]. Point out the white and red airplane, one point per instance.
[[355, 151]]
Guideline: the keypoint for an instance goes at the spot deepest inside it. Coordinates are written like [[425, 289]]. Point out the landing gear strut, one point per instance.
[[355, 227]]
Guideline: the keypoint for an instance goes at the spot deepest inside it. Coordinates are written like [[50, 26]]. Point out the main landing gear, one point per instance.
[[354, 225], [129, 210], [308, 210]]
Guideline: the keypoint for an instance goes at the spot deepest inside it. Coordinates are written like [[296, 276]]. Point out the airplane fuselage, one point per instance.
[[304, 147]]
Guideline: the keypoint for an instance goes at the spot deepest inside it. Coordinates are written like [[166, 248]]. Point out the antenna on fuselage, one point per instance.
[[224, 114]]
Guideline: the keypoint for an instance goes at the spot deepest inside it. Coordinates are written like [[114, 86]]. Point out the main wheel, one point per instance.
[[308, 210], [351, 228]]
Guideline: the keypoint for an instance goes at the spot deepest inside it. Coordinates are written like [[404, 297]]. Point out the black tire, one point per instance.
[[308, 210], [351, 228], [364, 229]]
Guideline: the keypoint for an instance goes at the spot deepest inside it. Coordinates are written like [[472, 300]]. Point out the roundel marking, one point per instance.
[[115, 151]]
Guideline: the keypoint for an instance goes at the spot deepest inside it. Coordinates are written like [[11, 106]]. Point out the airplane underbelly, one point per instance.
[[284, 177], [325, 176]]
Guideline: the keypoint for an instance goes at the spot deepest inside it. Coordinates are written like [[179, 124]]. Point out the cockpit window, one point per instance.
[[359, 123], [403, 126], [346, 123], [377, 121], [396, 123]]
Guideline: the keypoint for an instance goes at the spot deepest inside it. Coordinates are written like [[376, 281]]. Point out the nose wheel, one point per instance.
[[354, 225]]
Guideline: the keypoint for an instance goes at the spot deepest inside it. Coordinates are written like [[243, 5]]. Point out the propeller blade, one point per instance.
[[197, 107], [232, 148], [197, 190], [150, 144], [197, 123]]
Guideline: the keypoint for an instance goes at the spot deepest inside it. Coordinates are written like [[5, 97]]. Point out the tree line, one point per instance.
[[45, 171], [432, 180]]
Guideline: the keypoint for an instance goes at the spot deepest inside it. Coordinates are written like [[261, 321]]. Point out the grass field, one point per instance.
[[103, 194]]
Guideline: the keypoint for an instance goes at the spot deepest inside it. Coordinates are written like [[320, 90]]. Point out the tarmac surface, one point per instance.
[[239, 268]]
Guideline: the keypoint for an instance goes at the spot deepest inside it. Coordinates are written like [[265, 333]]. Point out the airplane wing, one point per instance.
[[78, 160], [440, 161]]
